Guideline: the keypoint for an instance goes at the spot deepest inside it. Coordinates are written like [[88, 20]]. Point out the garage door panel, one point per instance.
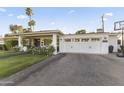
[[91, 47]]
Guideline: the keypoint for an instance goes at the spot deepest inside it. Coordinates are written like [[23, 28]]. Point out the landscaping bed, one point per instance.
[[11, 65]]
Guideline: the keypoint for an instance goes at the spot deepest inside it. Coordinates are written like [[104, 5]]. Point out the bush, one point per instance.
[[41, 50], [10, 44], [16, 49], [1, 47], [51, 50]]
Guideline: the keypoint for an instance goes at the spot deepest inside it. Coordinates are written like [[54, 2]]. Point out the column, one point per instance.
[[54, 42], [20, 43]]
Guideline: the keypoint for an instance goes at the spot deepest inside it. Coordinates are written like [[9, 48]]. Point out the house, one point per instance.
[[95, 43], [37, 38], [1, 40], [120, 39]]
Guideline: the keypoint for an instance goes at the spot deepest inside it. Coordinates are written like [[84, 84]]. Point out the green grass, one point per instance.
[[11, 65], [5, 53]]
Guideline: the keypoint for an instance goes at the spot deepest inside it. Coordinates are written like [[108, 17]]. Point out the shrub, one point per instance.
[[41, 50], [16, 49], [1, 47], [51, 50], [10, 44]]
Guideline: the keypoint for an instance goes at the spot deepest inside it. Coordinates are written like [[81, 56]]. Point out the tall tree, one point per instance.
[[32, 23], [82, 31], [29, 13]]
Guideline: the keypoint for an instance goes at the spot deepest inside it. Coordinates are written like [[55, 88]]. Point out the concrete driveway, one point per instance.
[[80, 69]]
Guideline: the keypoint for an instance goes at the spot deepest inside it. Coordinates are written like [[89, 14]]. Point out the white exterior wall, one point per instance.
[[96, 47], [1, 41], [54, 42], [120, 38], [113, 41]]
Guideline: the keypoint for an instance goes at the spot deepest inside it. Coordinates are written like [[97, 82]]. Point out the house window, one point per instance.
[[67, 40], [95, 39], [84, 39], [119, 42], [77, 40]]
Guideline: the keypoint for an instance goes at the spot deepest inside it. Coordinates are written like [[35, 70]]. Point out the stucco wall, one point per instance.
[[97, 47], [113, 42]]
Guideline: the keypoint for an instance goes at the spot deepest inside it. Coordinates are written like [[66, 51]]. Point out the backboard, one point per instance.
[[119, 25]]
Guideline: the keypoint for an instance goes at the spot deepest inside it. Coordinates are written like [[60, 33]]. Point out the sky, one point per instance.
[[68, 20]]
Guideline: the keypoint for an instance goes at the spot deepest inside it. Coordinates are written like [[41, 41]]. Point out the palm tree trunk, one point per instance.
[[33, 28], [30, 21]]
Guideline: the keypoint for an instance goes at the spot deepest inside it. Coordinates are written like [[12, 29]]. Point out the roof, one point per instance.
[[105, 33], [37, 32]]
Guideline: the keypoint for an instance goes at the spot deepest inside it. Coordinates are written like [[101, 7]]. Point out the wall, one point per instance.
[[1, 41], [97, 47], [113, 42]]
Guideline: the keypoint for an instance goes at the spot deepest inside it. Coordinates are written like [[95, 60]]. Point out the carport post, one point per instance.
[[54, 42]]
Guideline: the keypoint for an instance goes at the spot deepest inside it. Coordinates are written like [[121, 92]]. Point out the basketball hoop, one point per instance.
[[119, 25]]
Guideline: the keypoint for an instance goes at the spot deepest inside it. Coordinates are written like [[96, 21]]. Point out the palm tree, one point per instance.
[[29, 13], [32, 23]]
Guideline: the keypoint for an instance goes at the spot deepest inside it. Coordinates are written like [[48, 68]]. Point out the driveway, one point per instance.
[[80, 69]]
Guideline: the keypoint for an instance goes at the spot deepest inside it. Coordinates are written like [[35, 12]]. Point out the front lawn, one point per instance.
[[11, 65], [2, 53], [6, 53]]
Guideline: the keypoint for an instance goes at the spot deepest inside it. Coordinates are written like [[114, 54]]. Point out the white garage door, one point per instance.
[[93, 46]]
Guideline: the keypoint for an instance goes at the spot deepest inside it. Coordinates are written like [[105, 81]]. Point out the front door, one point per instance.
[[37, 42]]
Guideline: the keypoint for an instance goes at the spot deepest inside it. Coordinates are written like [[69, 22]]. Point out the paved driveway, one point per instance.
[[80, 69]]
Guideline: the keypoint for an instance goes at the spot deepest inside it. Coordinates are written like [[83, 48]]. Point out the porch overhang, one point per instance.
[[36, 33]]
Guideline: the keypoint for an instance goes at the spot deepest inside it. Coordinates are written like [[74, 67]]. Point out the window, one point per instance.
[[84, 39], [67, 40], [95, 39], [77, 40]]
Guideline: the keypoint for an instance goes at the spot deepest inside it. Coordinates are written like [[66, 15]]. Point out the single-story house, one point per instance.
[[119, 36], [95, 43], [1, 40]]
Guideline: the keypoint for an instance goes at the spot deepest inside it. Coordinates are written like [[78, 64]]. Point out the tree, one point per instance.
[[82, 31], [29, 13], [13, 28], [16, 29], [32, 23], [20, 29]]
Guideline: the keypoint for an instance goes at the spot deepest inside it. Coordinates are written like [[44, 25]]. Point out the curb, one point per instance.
[[17, 77]]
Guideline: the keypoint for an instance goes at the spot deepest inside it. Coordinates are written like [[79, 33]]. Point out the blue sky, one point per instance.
[[69, 20]]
